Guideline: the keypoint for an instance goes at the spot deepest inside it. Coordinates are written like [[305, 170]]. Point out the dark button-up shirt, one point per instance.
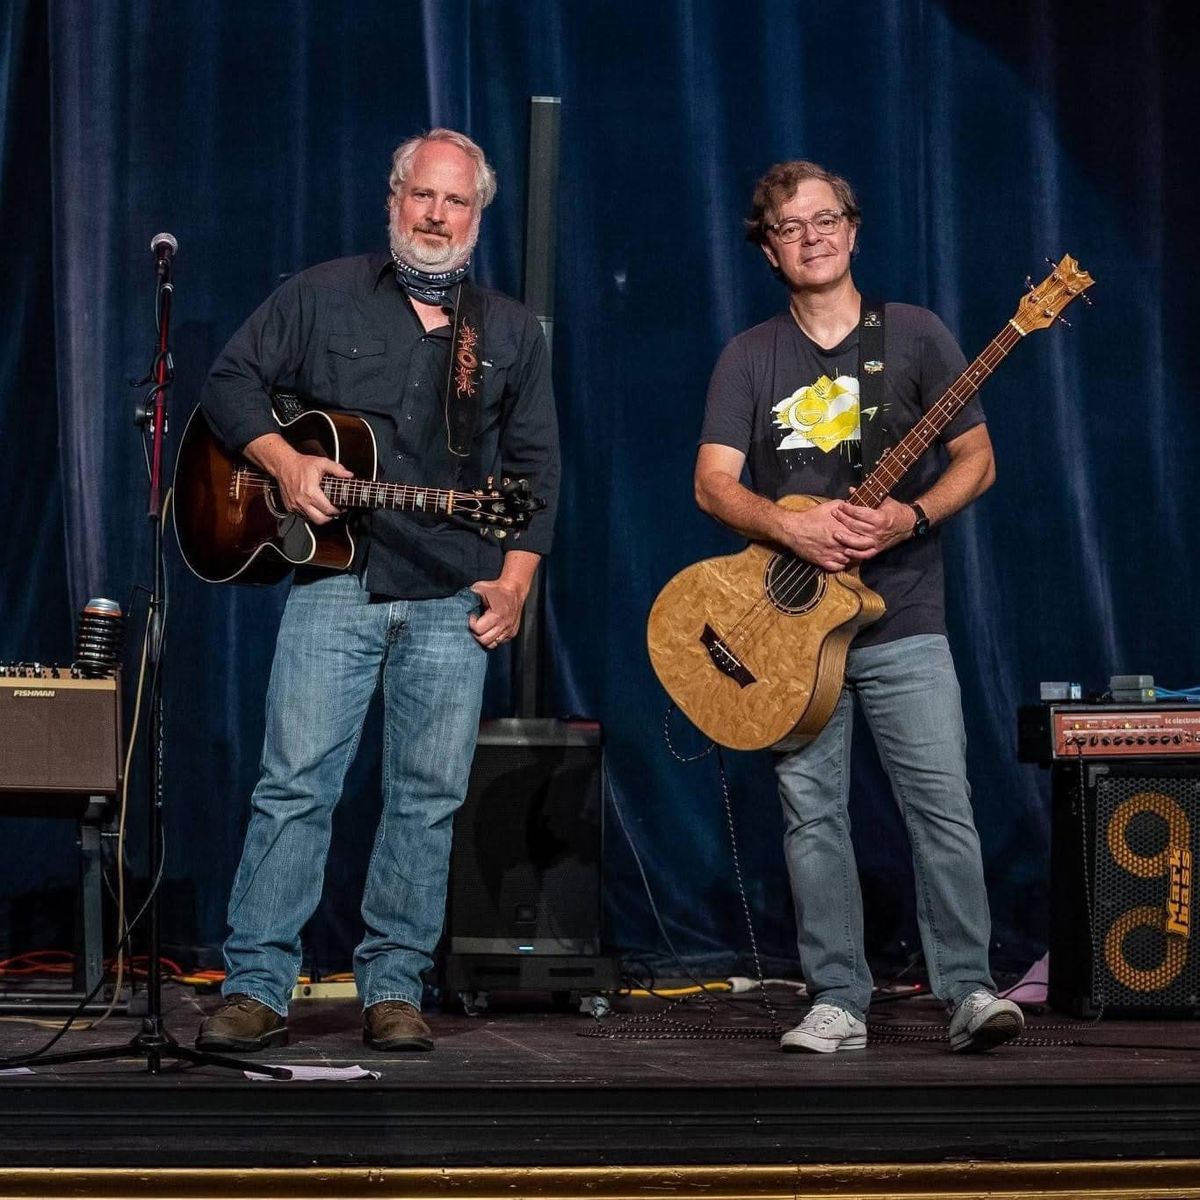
[[344, 335]]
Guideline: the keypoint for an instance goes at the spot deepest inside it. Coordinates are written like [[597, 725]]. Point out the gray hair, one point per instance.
[[485, 175]]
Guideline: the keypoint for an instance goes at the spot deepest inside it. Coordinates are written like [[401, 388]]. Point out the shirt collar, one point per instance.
[[380, 263]]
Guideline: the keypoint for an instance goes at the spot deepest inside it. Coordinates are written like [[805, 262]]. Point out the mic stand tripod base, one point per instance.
[[155, 1044]]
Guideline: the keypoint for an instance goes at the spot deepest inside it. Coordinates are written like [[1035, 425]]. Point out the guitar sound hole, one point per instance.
[[274, 502], [792, 585]]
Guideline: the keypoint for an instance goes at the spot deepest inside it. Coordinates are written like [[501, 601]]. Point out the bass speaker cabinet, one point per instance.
[[525, 900], [1122, 939]]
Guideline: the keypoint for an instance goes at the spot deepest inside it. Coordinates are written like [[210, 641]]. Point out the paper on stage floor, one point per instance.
[[1032, 987], [300, 1072]]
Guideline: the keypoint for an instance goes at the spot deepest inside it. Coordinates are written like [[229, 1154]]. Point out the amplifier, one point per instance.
[[59, 735], [1053, 732], [1125, 837]]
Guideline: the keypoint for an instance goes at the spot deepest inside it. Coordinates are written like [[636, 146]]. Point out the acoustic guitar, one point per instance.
[[232, 526], [752, 647]]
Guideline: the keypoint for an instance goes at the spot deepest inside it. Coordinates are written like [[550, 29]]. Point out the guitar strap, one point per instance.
[[870, 384], [464, 380]]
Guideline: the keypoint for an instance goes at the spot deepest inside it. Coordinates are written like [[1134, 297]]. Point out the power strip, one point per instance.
[[346, 990]]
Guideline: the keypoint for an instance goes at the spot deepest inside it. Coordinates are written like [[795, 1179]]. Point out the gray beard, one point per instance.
[[448, 258]]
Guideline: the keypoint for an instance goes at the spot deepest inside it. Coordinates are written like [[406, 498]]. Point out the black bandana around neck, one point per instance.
[[430, 287]]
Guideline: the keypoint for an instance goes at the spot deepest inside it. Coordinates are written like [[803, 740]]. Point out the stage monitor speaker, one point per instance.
[[525, 867], [1122, 939]]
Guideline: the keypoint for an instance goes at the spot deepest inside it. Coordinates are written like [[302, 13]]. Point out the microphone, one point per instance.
[[98, 639], [164, 246]]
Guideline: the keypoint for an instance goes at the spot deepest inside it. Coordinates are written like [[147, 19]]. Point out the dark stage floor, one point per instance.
[[519, 1087]]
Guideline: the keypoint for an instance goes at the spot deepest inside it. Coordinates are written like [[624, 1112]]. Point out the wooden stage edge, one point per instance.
[[1127, 1180]]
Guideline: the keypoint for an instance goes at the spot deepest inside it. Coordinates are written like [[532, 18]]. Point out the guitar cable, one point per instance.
[[661, 1023]]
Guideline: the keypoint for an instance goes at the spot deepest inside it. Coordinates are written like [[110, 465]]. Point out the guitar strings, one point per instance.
[[359, 492]]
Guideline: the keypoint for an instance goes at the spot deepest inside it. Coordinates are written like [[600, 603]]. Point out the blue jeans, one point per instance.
[[910, 697], [335, 646]]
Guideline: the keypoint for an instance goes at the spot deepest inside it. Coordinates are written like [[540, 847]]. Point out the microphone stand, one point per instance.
[[154, 1043]]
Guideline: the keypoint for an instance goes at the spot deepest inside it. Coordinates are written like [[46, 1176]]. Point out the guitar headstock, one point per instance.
[[1046, 301], [498, 510]]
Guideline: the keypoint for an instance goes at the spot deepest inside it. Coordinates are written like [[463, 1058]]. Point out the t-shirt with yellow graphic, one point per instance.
[[792, 407], [822, 414]]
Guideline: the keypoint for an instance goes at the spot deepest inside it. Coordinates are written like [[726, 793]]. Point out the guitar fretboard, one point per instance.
[[895, 463], [368, 493]]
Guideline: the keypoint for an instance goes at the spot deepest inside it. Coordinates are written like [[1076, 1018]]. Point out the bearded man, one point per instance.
[[454, 381]]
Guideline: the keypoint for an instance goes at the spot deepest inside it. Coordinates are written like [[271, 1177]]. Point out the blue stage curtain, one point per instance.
[[981, 139]]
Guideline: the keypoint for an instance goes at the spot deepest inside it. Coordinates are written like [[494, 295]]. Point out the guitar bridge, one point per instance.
[[724, 659]]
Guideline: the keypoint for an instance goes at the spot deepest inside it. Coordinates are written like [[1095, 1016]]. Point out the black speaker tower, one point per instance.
[[525, 903]]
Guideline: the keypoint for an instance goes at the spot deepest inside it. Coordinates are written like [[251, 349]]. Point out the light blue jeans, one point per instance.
[[909, 695], [335, 647]]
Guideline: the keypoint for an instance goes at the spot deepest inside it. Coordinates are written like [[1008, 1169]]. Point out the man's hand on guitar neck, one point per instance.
[[299, 476], [820, 535], [836, 534], [866, 532]]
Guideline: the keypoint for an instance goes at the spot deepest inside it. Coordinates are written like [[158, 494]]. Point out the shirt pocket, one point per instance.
[[499, 363], [357, 365]]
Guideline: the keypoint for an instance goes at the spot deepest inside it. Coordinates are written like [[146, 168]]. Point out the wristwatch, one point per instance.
[[921, 528]]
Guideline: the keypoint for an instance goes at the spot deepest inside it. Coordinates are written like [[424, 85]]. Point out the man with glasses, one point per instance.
[[454, 380], [783, 404]]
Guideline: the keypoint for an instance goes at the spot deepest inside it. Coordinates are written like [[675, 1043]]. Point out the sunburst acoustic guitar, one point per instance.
[[752, 647], [232, 526]]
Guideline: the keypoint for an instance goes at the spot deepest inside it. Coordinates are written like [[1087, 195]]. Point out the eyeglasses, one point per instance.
[[791, 229]]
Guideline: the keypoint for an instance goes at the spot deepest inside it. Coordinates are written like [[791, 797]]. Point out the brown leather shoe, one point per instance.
[[242, 1024], [395, 1025]]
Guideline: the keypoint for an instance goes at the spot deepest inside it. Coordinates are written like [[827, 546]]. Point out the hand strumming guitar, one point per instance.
[[299, 476]]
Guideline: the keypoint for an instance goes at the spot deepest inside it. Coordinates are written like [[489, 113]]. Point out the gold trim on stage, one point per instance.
[[1092, 1180]]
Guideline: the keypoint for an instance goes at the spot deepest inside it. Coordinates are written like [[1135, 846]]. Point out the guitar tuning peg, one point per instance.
[[1049, 260], [1087, 300], [1028, 283], [1064, 321]]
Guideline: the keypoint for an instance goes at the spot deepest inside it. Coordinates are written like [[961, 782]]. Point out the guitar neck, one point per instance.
[[369, 493], [895, 463]]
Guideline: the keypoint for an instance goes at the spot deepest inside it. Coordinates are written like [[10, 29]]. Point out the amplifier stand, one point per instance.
[[89, 939]]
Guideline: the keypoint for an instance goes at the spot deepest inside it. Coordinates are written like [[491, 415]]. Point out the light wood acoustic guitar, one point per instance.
[[752, 647], [232, 526]]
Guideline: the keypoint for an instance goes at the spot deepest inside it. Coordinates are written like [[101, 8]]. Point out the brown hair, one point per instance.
[[779, 185]]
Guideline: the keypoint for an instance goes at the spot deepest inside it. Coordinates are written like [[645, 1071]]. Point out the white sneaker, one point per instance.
[[825, 1029], [982, 1021]]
